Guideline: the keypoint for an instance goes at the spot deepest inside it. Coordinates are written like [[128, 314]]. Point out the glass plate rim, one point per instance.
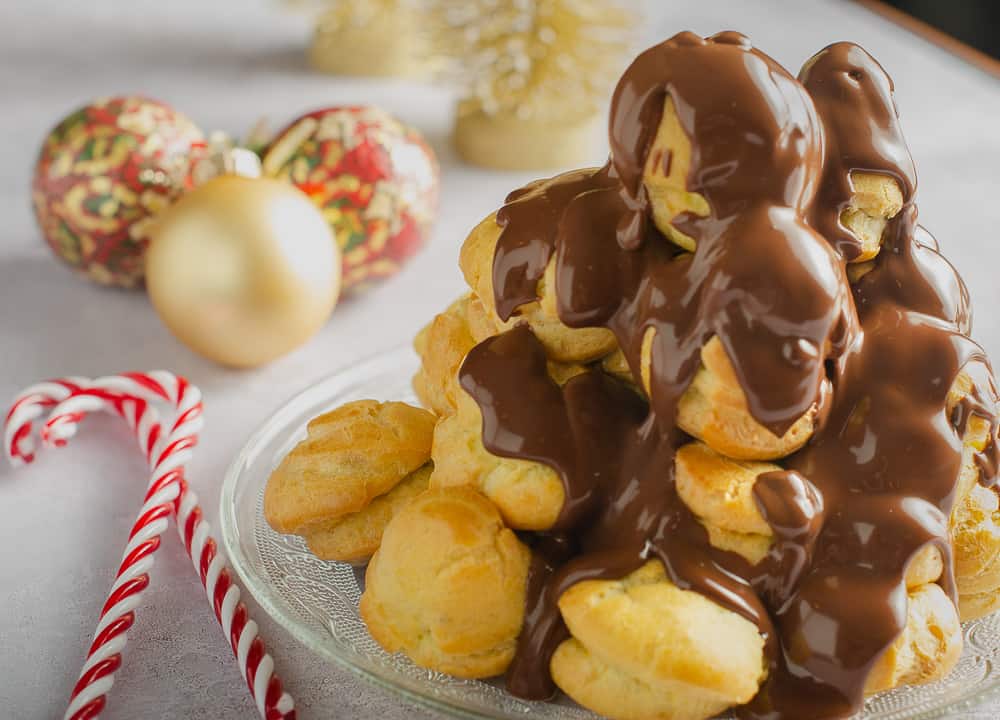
[[339, 379], [342, 377]]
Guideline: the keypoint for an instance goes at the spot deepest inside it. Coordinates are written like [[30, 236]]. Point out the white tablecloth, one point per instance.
[[225, 63]]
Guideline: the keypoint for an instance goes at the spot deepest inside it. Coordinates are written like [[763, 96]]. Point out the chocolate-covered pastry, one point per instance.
[[723, 389], [785, 183]]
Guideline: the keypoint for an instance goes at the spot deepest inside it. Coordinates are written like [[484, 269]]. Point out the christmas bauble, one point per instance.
[[243, 270], [375, 179], [102, 174]]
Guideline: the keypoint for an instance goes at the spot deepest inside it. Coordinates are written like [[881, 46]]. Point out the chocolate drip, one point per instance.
[[794, 508], [853, 95], [762, 279], [911, 272], [621, 503], [529, 218], [549, 552], [981, 403], [577, 430], [885, 464], [876, 483]]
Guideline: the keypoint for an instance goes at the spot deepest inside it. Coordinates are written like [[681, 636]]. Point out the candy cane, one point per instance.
[[132, 396]]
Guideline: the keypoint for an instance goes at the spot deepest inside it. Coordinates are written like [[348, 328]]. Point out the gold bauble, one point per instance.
[[243, 270]]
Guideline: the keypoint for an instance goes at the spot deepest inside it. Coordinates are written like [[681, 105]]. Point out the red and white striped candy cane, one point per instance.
[[167, 447]]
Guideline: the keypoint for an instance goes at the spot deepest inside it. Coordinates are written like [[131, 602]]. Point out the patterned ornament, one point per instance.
[[101, 176], [375, 179]]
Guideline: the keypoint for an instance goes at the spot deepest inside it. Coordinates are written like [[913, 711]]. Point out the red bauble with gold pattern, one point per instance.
[[375, 179], [102, 174]]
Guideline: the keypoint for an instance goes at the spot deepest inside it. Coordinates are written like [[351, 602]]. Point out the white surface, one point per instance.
[[63, 521]]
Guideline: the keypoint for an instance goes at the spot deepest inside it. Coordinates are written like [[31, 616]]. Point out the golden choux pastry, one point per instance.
[[665, 177], [350, 456], [447, 585], [925, 567], [976, 605], [929, 646], [442, 346], [751, 547], [719, 491], [976, 546], [448, 524], [975, 530], [714, 407], [562, 343], [642, 648], [528, 494], [354, 538], [482, 324], [975, 518], [714, 410], [875, 200], [615, 364]]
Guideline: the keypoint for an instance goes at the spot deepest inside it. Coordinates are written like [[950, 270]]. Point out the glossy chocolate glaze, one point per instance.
[[772, 156], [915, 275], [853, 95], [979, 403], [526, 217]]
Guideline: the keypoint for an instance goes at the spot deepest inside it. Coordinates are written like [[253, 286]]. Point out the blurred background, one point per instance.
[[226, 64], [973, 23]]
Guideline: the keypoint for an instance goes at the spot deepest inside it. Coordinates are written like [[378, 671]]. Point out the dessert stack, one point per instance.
[[707, 432]]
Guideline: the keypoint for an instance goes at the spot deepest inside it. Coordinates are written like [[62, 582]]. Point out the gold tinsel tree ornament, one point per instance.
[[366, 37], [537, 74]]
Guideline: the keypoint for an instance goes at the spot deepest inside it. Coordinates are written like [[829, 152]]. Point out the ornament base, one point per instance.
[[505, 142]]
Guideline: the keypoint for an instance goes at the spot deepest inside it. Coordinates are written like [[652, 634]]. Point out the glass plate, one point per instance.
[[317, 601]]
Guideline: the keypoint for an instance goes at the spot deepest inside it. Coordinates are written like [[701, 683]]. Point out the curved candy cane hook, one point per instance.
[[167, 447]]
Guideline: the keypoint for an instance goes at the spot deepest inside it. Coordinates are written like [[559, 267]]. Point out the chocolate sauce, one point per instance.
[[886, 464], [526, 216], [915, 275], [853, 95], [577, 429], [617, 470], [979, 403], [773, 157]]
